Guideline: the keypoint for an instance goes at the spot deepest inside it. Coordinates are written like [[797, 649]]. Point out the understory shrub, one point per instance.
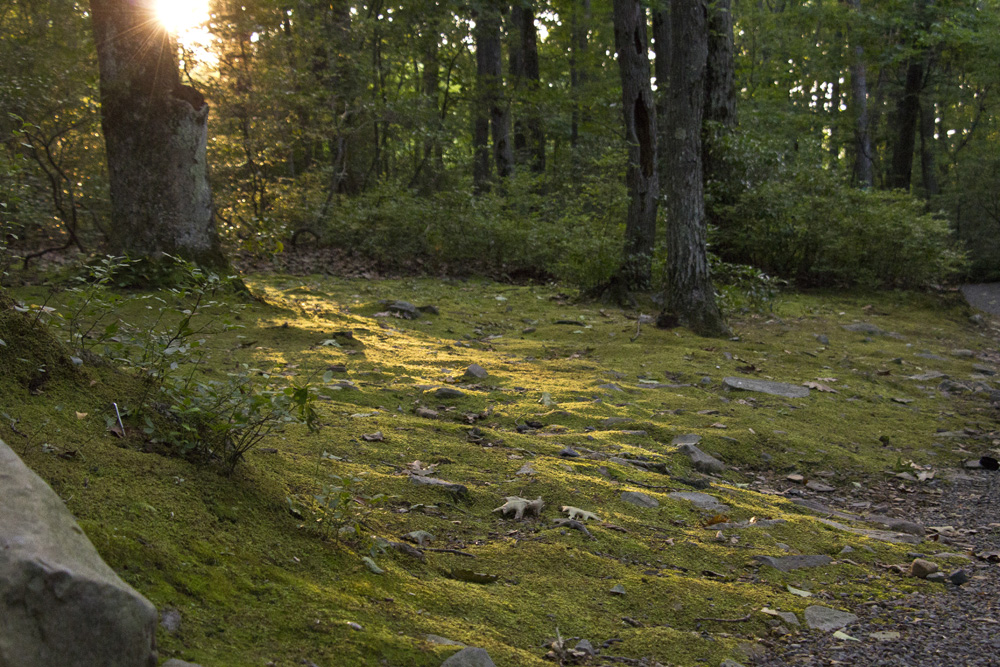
[[817, 230]]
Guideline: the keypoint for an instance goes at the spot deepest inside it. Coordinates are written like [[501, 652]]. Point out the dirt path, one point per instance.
[[984, 296]]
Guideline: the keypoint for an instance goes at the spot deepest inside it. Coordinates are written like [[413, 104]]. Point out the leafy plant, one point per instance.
[[340, 509]]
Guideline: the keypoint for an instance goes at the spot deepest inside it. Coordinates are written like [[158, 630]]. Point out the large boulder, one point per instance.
[[60, 604]]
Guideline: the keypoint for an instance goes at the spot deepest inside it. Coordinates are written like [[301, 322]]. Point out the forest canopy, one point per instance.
[[487, 138]]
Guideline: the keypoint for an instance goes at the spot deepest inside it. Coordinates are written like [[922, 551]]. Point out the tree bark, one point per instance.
[[720, 77], [641, 175], [928, 144], [661, 69], [490, 102], [155, 132], [690, 296], [529, 134], [578, 74], [863, 171], [907, 117]]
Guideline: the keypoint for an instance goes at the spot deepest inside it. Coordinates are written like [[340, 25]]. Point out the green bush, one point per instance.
[[815, 229]]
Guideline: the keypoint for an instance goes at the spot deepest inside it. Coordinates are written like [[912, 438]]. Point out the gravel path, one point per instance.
[[959, 626]]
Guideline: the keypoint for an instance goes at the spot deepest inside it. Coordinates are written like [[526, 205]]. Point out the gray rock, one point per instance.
[[904, 526], [174, 662], [963, 354], [639, 499], [921, 568], [426, 413], [789, 563], [469, 657], [686, 439], [170, 620], [822, 339], [983, 370], [404, 309], [766, 387], [617, 589], [442, 641], [729, 663], [585, 646], [958, 577], [476, 371], [929, 356], [930, 375], [827, 619], [702, 461], [701, 500], [610, 387], [939, 577], [865, 328], [569, 453], [448, 392], [977, 319], [60, 604]]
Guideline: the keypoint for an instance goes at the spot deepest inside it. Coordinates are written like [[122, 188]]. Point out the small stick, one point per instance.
[[118, 414], [638, 326], [724, 620]]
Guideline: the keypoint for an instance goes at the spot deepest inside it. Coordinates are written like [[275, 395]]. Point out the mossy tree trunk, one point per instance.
[[690, 297], [155, 131], [641, 174]]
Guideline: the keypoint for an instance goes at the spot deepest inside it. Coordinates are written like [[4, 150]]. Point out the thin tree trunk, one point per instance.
[[907, 118], [156, 132], [863, 172], [640, 132], [690, 296], [578, 74], [928, 144], [661, 68], [490, 100], [529, 135], [720, 78]]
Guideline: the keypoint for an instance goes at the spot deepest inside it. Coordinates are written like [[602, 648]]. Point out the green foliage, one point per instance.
[[813, 228], [340, 509], [740, 288]]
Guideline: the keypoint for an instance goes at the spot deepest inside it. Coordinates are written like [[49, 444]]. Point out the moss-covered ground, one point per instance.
[[259, 581]]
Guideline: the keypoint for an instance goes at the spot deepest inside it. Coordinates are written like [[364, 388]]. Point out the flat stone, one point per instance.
[[404, 309], [585, 646], [984, 370], [60, 604], [457, 489], [827, 619], [885, 635], [904, 526], [819, 486], [929, 356], [617, 589], [963, 354], [729, 663], [822, 339], [639, 499], [928, 376], [702, 461], [789, 563], [686, 439], [174, 662], [426, 413], [170, 620], [470, 657], [610, 387], [442, 641], [449, 392], [938, 577], [476, 371], [865, 328], [701, 500], [766, 387]]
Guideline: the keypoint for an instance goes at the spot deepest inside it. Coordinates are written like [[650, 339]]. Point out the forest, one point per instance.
[[574, 332]]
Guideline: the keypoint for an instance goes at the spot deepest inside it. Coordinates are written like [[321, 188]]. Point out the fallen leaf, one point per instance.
[[81, 415], [718, 518], [798, 591], [820, 387], [843, 635], [719, 425]]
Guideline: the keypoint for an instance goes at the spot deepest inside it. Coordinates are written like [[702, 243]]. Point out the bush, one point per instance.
[[815, 229]]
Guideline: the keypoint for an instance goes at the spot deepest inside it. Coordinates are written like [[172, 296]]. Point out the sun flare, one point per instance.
[[182, 16]]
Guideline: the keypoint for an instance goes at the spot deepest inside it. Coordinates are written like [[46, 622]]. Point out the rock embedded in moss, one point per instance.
[[639, 499], [476, 371], [789, 563], [702, 501], [701, 461], [766, 387], [921, 567], [469, 657], [827, 619]]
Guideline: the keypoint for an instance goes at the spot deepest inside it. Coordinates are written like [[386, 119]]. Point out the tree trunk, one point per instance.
[[689, 297], [928, 144], [529, 135], [863, 172], [578, 76], [661, 68], [640, 132], [490, 102], [155, 132], [907, 117], [720, 78]]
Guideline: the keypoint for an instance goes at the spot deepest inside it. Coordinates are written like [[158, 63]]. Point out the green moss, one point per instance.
[[254, 583]]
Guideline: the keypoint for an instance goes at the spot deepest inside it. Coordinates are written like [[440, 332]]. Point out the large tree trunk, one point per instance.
[[863, 172], [720, 77], [928, 144], [155, 131], [690, 297], [529, 135], [640, 132]]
